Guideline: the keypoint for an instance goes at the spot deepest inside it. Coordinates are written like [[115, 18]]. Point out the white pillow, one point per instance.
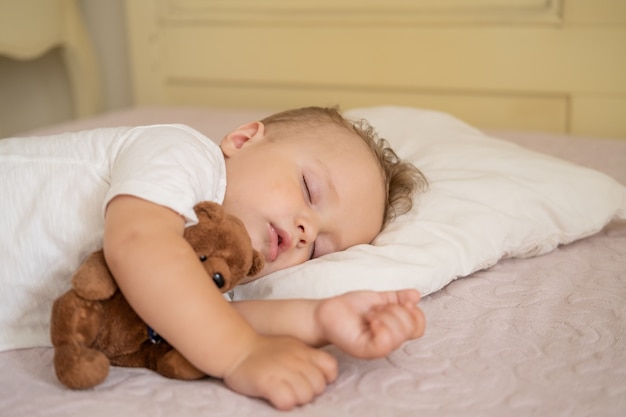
[[488, 199]]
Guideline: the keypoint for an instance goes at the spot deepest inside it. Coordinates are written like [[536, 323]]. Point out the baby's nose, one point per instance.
[[303, 238], [307, 233]]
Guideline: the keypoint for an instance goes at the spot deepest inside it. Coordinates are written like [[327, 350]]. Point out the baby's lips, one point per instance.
[[280, 241], [272, 252]]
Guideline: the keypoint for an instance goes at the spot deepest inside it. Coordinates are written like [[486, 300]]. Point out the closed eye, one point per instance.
[[306, 189], [310, 199]]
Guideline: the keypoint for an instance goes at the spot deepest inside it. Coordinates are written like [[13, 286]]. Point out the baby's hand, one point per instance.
[[368, 324], [282, 370]]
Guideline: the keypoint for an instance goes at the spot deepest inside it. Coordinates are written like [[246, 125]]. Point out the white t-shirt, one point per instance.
[[53, 193]]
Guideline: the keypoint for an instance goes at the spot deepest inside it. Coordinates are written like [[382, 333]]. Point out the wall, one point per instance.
[[234, 71], [36, 93], [547, 65], [106, 22]]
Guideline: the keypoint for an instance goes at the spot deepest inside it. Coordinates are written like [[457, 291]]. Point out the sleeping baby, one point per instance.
[[305, 182]]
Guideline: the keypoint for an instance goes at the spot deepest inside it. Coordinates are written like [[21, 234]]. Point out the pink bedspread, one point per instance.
[[543, 336]]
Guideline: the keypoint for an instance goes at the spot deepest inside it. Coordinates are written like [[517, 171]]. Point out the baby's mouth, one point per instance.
[[279, 242], [274, 243]]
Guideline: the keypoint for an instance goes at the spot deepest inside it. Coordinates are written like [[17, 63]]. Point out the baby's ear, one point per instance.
[[257, 263], [236, 139]]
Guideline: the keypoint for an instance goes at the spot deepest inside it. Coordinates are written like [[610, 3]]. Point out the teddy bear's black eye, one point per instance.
[[219, 280], [203, 258]]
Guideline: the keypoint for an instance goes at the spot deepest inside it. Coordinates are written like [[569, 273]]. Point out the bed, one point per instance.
[[522, 320]]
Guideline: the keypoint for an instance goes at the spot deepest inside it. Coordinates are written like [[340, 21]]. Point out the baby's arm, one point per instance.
[[365, 324], [165, 283]]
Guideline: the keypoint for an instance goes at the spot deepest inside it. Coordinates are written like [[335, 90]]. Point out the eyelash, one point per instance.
[[308, 193], [306, 187]]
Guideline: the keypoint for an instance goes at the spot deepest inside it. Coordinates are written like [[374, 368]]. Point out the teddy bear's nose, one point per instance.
[[219, 280]]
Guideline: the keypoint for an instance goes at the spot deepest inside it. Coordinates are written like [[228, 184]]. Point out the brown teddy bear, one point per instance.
[[93, 326]]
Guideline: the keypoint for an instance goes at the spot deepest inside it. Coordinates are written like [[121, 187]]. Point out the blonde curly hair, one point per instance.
[[403, 181]]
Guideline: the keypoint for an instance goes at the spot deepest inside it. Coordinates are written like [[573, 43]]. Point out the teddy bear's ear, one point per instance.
[[257, 263], [208, 210]]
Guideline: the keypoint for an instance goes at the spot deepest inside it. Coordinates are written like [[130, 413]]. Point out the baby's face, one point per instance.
[[303, 196]]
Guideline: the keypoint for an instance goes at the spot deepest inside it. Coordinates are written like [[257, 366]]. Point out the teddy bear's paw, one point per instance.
[[174, 365], [80, 367]]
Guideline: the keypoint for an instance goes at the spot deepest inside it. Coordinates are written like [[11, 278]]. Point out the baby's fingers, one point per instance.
[[299, 389], [284, 395], [408, 296], [418, 319], [327, 364], [393, 324], [302, 382], [393, 318]]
